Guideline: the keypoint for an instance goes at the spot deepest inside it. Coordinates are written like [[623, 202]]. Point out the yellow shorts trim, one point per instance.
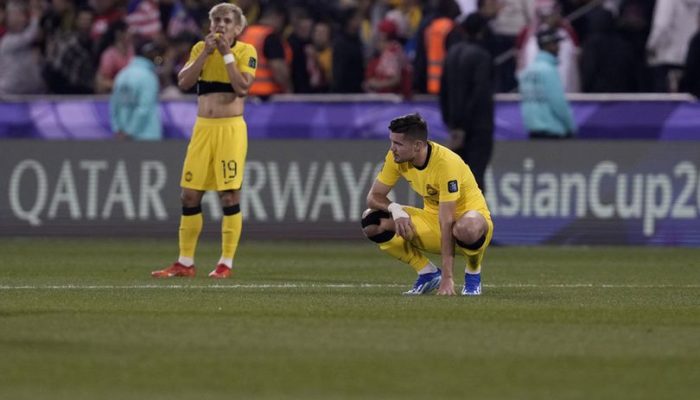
[[216, 154]]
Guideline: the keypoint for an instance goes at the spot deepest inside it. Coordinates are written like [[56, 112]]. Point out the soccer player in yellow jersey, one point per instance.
[[223, 69], [454, 210]]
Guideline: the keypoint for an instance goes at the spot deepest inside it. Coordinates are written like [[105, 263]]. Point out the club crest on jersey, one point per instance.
[[431, 190], [252, 62], [452, 186]]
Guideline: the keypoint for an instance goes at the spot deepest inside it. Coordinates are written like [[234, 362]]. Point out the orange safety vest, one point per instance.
[[435, 35], [264, 84]]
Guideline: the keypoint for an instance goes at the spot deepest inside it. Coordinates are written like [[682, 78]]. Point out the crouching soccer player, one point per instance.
[[454, 210], [223, 69]]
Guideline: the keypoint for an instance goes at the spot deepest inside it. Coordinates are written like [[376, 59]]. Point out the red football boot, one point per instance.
[[174, 270], [221, 272]]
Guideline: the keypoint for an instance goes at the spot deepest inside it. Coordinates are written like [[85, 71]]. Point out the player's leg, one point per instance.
[[191, 222], [231, 147], [379, 227], [196, 178], [472, 232], [231, 227]]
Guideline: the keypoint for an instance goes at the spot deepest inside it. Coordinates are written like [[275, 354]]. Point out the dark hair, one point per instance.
[[474, 24], [411, 125], [147, 48], [110, 36]]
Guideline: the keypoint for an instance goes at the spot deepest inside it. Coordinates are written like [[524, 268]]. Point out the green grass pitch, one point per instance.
[[82, 319]]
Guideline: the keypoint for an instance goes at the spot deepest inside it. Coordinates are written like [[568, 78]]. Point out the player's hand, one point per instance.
[[210, 43], [222, 44], [404, 228], [447, 287], [402, 221]]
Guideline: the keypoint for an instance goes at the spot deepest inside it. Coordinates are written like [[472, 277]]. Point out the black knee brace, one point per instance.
[[382, 237], [374, 218], [473, 246]]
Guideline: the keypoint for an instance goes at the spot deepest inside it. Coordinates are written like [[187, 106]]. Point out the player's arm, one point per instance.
[[378, 199], [189, 75], [240, 81], [446, 215]]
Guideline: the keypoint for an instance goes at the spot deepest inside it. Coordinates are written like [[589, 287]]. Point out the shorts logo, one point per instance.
[[188, 176], [452, 186], [252, 63]]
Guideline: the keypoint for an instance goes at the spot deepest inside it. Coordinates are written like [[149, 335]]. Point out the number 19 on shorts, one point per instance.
[[230, 169]]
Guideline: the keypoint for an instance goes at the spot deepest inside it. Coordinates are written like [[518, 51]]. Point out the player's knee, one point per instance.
[[470, 230], [467, 233], [190, 199], [230, 198], [372, 226]]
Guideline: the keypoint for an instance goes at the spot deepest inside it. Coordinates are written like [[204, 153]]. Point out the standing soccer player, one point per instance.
[[454, 210], [223, 69]]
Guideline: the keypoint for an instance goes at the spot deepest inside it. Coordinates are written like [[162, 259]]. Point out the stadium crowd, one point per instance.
[[355, 46]]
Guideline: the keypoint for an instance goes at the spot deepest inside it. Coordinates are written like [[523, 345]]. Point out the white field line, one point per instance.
[[338, 286]]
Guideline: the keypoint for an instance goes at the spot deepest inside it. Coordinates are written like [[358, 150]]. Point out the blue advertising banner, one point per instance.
[[89, 119]]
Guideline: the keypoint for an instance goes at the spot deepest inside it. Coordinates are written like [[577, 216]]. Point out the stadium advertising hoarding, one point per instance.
[[574, 192], [597, 116]]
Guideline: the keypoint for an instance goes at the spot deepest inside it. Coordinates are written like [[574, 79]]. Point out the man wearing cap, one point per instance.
[[545, 110], [133, 105]]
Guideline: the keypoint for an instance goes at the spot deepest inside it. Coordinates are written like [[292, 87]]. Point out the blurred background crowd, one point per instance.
[[355, 46]]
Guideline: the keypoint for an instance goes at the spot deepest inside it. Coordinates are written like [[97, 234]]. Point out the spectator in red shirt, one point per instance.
[[118, 51], [384, 72]]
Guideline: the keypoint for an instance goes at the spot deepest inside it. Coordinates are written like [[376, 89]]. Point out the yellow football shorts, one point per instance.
[[216, 154], [427, 234]]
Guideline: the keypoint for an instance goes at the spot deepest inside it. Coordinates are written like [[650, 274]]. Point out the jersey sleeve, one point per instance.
[[197, 49], [450, 181], [389, 174], [247, 61]]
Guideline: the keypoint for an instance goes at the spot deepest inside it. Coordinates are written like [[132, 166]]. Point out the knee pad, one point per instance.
[[472, 246], [374, 217], [382, 237]]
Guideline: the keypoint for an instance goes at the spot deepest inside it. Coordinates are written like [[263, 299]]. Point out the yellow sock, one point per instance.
[[399, 248], [190, 228], [231, 226]]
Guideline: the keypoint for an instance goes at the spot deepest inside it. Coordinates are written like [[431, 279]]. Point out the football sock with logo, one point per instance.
[[190, 227], [399, 248], [231, 226]]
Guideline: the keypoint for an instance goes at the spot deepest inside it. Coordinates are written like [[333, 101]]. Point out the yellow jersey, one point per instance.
[[214, 77], [444, 177]]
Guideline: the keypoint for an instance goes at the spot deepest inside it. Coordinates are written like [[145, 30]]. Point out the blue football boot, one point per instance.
[[472, 285], [425, 283]]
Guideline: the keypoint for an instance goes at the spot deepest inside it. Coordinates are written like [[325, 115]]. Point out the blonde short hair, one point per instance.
[[225, 8]]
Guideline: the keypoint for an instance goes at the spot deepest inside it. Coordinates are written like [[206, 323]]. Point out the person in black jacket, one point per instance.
[[607, 59], [691, 77], [348, 56], [466, 98]]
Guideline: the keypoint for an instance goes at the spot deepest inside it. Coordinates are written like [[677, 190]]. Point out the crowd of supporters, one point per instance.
[[355, 46]]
